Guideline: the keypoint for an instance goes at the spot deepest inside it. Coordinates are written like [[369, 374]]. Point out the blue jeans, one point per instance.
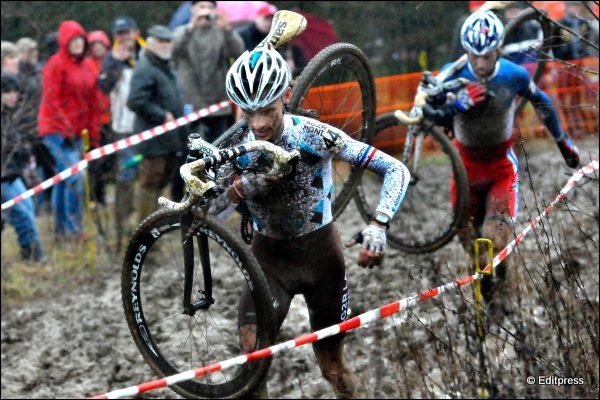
[[67, 195], [22, 215]]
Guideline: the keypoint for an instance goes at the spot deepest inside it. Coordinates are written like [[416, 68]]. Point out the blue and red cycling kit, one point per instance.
[[483, 134]]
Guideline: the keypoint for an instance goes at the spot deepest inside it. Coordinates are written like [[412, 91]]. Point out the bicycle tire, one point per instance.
[[539, 61], [340, 66], [171, 341], [423, 222]]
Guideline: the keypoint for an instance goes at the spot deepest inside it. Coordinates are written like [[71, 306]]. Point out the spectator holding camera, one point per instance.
[[202, 53]]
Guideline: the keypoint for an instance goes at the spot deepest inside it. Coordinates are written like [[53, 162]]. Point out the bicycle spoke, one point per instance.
[[173, 341]]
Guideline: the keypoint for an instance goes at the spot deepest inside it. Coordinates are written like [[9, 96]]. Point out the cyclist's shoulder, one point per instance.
[[454, 69], [507, 66], [311, 130], [304, 123], [512, 73]]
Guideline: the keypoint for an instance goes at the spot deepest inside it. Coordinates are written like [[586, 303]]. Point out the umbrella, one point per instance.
[[240, 11]]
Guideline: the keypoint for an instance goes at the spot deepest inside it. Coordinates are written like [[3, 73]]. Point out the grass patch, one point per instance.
[[68, 265]]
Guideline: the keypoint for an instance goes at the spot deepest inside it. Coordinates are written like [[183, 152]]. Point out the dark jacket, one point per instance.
[[16, 149], [153, 93], [30, 95]]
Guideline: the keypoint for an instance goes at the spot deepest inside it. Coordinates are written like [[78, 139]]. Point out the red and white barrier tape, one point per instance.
[[114, 147], [571, 183], [352, 323]]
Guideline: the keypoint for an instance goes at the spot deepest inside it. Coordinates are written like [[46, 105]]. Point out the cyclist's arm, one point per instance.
[[542, 103], [547, 113], [439, 110], [395, 174]]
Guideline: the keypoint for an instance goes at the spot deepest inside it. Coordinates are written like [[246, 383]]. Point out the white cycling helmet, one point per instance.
[[257, 78], [482, 33]]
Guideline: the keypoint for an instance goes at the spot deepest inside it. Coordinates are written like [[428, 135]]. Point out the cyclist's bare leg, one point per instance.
[[335, 369], [467, 234], [247, 324], [498, 228], [247, 336]]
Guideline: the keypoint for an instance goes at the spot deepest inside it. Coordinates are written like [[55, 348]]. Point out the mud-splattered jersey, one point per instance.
[[302, 203], [492, 123]]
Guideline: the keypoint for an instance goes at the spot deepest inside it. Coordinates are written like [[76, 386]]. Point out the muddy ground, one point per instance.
[[77, 343]]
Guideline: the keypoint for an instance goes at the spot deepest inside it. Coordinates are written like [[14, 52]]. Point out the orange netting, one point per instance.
[[573, 87]]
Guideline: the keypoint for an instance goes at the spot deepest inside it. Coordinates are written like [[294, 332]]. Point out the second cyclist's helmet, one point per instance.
[[482, 33], [257, 78]]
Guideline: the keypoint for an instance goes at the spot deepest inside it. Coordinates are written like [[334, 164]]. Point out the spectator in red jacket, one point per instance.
[[69, 105]]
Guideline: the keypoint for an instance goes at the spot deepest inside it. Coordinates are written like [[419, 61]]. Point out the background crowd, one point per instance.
[[117, 83]]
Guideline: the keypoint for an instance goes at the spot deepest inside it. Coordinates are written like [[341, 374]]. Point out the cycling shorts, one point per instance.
[[492, 174], [312, 265]]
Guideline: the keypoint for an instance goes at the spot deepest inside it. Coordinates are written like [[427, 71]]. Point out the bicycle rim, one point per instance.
[[426, 220], [338, 85], [532, 54], [173, 342]]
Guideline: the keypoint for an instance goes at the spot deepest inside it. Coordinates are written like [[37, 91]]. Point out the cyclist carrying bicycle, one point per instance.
[[481, 117], [295, 240]]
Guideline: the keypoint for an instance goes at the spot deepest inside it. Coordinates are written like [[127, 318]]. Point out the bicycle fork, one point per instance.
[[414, 136], [187, 241]]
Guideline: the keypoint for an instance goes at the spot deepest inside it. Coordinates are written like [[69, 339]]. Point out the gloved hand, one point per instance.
[[569, 152], [220, 204], [373, 239], [475, 93], [259, 184]]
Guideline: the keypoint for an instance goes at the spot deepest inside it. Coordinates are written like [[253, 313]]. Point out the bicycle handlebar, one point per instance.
[[429, 86], [197, 188]]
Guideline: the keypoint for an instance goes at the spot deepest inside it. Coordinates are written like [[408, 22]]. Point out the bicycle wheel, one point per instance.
[[171, 341], [527, 41], [338, 85], [426, 220]]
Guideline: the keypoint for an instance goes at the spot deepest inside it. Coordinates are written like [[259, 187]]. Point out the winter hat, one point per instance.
[[98, 36], [10, 82]]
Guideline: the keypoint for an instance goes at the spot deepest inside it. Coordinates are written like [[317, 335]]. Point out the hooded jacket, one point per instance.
[[70, 94], [100, 36]]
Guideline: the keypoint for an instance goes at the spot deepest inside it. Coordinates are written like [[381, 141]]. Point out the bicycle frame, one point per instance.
[[198, 190]]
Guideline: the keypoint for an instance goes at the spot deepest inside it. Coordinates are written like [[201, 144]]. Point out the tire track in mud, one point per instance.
[[77, 344]]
